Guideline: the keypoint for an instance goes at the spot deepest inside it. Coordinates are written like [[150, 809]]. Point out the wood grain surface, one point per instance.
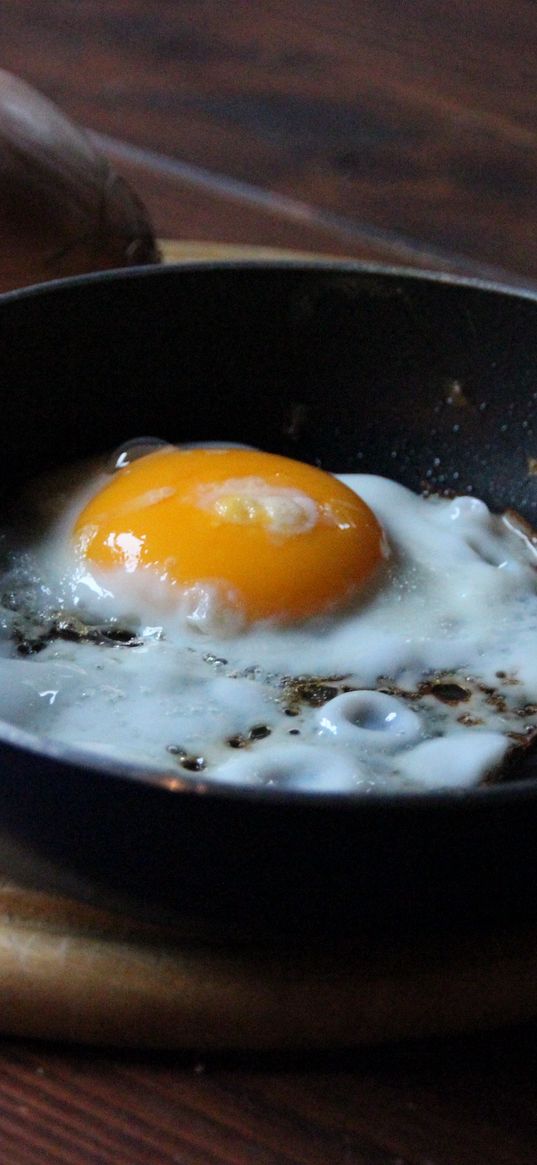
[[393, 1106], [374, 128], [401, 127]]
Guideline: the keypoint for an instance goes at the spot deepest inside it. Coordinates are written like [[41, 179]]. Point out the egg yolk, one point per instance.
[[287, 540]]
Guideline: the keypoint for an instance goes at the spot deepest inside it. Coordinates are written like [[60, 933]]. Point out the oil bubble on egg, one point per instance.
[[219, 610], [372, 719]]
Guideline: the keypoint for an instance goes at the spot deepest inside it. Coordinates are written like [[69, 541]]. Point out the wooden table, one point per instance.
[[397, 131]]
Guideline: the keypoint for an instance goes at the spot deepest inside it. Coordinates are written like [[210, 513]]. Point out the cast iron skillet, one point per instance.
[[427, 380]]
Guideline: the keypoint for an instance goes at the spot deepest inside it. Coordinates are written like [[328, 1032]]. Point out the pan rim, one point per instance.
[[525, 290]]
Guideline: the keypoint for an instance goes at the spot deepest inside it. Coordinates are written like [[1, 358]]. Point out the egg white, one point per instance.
[[339, 704]]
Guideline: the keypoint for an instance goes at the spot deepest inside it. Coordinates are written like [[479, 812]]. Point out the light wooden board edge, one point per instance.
[[173, 251], [66, 974]]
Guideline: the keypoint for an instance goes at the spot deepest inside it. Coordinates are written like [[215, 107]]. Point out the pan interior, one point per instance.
[[431, 383]]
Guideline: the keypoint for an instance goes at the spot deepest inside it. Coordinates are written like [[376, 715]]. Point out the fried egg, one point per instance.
[[218, 613]]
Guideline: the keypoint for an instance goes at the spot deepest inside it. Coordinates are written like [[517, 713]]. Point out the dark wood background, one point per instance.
[[404, 129], [457, 1102], [396, 129]]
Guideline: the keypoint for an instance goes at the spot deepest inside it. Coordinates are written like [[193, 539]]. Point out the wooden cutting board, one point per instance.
[[69, 971]]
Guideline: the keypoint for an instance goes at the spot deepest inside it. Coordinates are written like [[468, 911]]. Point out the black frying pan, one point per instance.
[[428, 380]]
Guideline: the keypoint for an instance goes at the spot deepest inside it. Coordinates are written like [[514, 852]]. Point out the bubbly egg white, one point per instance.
[[429, 681]]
